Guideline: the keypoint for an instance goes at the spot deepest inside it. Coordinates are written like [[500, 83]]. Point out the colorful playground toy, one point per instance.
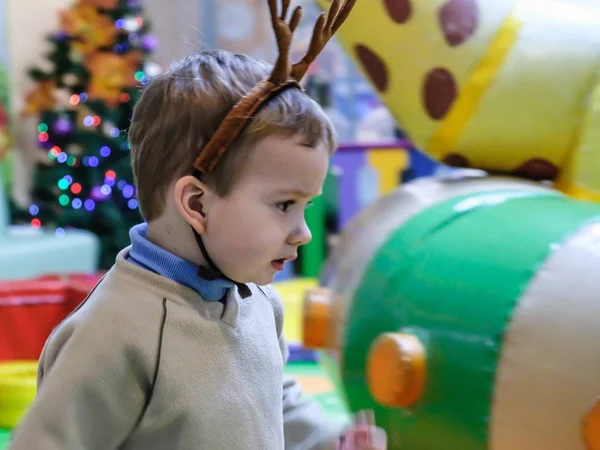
[[464, 311], [17, 390], [507, 86], [292, 292]]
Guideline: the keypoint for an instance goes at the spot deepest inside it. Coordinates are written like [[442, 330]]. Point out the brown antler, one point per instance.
[[283, 75], [325, 28], [283, 34]]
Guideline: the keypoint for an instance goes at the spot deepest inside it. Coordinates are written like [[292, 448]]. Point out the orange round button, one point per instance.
[[315, 318], [591, 427], [396, 370]]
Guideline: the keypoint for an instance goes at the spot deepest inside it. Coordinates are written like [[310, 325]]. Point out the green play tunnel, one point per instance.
[[466, 313]]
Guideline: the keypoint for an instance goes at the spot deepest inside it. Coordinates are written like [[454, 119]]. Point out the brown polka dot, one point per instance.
[[537, 169], [439, 92], [374, 66], [458, 20], [456, 160], [399, 10]]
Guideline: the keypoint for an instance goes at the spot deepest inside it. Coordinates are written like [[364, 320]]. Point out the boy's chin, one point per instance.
[[262, 279], [265, 280]]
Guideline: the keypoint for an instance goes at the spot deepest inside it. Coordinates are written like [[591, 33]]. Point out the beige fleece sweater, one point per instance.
[[145, 363]]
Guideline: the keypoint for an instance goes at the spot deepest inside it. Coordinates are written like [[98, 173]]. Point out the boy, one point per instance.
[[180, 346]]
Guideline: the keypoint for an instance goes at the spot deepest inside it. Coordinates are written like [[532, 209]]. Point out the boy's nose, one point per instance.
[[301, 235]]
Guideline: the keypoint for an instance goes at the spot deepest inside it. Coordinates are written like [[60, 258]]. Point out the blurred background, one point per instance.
[[70, 74]]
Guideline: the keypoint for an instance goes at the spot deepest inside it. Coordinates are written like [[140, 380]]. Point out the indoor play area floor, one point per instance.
[[314, 382]]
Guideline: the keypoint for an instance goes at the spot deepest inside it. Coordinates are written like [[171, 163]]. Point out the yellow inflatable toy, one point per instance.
[[508, 86], [292, 294], [17, 390]]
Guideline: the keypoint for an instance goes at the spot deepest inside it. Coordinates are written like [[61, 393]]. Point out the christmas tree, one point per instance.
[[82, 108]]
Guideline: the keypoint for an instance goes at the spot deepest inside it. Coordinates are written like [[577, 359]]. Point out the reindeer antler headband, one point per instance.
[[283, 75]]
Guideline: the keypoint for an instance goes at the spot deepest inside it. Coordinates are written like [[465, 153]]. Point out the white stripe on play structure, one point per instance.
[[549, 371]]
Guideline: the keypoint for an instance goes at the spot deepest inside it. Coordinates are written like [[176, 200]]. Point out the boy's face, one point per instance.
[[259, 226]]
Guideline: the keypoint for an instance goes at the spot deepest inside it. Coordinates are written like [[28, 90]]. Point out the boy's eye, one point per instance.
[[284, 206]]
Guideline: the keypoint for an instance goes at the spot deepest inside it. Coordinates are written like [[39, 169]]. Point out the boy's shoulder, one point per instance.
[[114, 320], [117, 301], [276, 303], [274, 298]]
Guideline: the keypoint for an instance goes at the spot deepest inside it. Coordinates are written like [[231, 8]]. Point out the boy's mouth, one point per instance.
[[278, 263]]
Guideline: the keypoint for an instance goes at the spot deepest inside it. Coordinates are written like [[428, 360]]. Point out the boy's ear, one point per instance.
[[190, 195]]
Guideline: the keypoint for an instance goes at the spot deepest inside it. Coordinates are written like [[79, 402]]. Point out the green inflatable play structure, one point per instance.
[[465, 311]]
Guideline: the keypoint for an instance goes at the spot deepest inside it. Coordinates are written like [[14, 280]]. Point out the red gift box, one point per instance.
[[31, 309]]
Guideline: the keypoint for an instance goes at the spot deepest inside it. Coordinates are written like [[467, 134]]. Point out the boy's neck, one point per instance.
[[155, 258], [177, 239]]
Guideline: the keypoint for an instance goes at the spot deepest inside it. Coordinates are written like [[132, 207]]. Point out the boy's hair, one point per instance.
[[180, 109]]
